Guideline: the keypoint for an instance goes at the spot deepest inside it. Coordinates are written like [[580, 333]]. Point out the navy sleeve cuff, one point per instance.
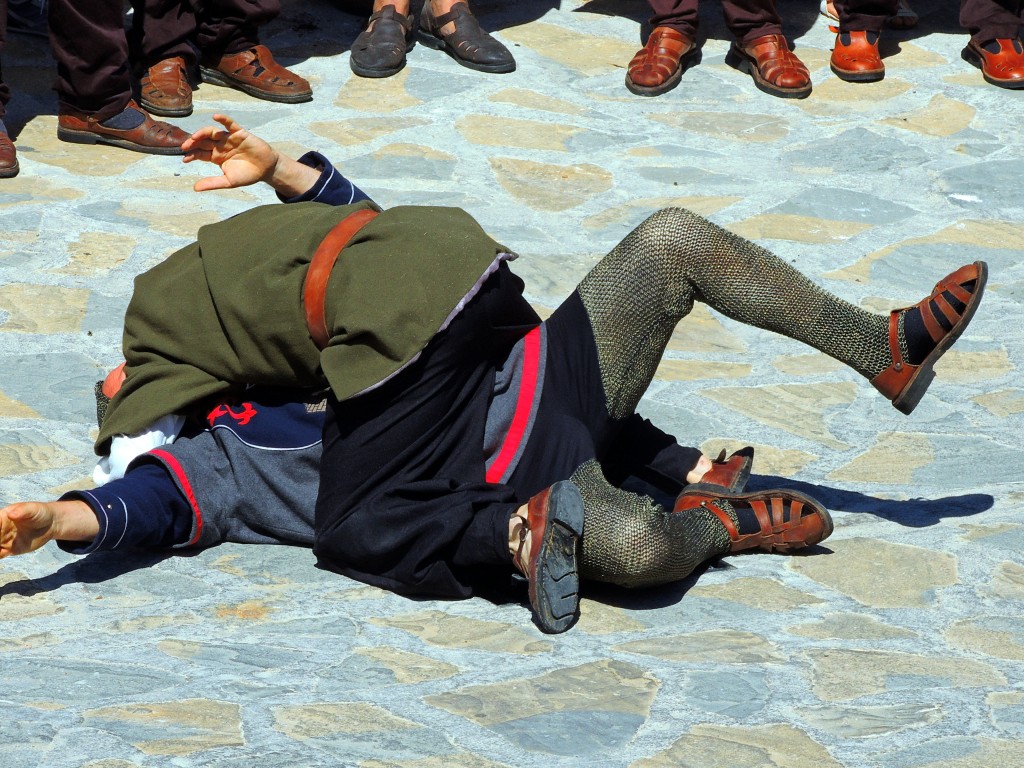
[[331, 188]]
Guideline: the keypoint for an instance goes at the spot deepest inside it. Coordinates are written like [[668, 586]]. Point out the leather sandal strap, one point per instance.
[[894, 340], [451, 16], [722, 515], [314, 291], [402, 19]]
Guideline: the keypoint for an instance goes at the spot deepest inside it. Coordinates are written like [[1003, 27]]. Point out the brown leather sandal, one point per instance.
[[726, 474], [905, 384], [659, 65], [787, 520], [468, 44]]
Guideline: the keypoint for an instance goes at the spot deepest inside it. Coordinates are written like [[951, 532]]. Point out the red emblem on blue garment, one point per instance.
[[241, 417]]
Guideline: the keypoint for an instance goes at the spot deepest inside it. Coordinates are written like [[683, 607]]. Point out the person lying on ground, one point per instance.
[[464, 439]]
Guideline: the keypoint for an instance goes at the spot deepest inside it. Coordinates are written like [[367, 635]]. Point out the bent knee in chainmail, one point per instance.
[[631, 541]]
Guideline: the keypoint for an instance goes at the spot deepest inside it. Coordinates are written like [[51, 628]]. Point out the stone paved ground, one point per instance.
[[898, 644]]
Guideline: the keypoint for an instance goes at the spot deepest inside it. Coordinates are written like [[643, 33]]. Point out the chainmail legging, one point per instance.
[[634, 298]]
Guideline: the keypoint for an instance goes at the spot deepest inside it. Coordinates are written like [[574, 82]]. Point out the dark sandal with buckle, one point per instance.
[[904, 383], [380, 49], [468, 44]]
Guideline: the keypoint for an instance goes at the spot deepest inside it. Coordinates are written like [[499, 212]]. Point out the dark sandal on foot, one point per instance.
[[905, 384], [468, 44], [380, 49]]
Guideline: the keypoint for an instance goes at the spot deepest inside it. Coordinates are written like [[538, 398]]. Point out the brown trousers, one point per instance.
[[94, 54], [984, 19], [5, 91], [746, 19]]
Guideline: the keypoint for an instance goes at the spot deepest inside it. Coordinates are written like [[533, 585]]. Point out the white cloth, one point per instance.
[[125, 448]]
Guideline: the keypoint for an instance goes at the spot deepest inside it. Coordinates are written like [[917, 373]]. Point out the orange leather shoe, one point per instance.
[[777, 520], [1004, 67], [775, 68], [855, 57], [165, 90], [8, 157], [150, 136], [658, 66], [905, 384]]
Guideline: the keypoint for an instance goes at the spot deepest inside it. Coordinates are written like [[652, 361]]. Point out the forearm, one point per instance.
[[290, 178], [73, 520]]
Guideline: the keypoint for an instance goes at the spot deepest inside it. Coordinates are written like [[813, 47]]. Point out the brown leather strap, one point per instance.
[[315, 289]]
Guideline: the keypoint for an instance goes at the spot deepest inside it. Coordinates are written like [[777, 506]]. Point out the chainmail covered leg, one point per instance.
[[637, 294], [631, 541]]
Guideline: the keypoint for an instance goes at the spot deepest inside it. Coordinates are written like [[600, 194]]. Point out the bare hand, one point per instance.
[[243, 158]]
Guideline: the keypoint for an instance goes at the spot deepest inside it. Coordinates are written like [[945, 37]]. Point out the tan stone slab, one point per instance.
[[360, 130], [840, 674], [547, 187], [587, 54], [765, 594], [799, 229], [357, 593], [14, 409], [527, 99], [764, 746], [363, 94], [42, 308], [991, 752], [446, 630], [849, 626], [1004, 699], [18, 459], [768, 460], [702, 332], [861, 722], [603, 686], [891, 460], [795, 408], [457, 760], [879, 573], [492, 131], [197, 724], [315, 721], [409, 668], [404, 149], [735, 126], [974, 636], [705, 205], [247, 610], [97, 252], [29, 189], [913, 56], [1008, 581], [699, 370], [972, 532], [968, 367], [80, 159], [835, 98], [16, 241], [180, 649], [942, 117], [811, 364], [110, 763], [814, 58], [1005, 402], [969, 79], [36, 640], [724, 646], [597, 618], [987, 234], [82, 483]]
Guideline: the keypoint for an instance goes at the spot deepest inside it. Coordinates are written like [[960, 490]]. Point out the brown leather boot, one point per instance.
[[770, 521], [165, 90], [776, 70], [150, 136], [658, 66], [255, 72], [855, 57]]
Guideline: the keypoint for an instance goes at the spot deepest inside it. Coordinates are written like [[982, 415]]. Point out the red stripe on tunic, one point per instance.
[[524, 406], [172, 464]]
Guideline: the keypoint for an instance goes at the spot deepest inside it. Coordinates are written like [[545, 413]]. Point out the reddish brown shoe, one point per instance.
[[256, 73], [164, 90], [855, 57], [726, 475], [1003, 67], [771, 521], [658, 66], [555, 524], [8, 157], [151, 136], [905, 384], [773, 66]]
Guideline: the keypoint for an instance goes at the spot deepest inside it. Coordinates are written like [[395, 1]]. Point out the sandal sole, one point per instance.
[[857, 77], [88, 137], [555, 590], [918, 384], [159, 111], [215, 77], [381, 71]]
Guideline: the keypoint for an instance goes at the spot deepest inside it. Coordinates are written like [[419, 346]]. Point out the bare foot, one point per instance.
[[696, 474], [28, 525], [519, 537]]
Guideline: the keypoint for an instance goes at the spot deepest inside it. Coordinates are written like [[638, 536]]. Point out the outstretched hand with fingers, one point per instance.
[[243, 158], [25, 527]]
